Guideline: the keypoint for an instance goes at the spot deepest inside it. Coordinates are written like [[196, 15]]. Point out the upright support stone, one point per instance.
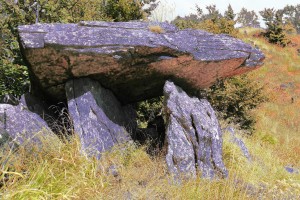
[[194, 136], [97, 116]]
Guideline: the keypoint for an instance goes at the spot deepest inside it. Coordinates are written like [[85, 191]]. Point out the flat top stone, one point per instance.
[[132, 59], [86, 35]]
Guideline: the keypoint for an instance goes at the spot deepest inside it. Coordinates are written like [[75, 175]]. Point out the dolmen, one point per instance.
[[99, 69]]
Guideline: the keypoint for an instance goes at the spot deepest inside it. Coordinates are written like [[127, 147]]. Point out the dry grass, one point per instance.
[[61, 171], [279, 118], [156, 29]]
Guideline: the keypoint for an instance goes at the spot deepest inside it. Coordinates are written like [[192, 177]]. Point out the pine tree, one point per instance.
[[229, 13], [275, 30], [248, 18], [292, 15]]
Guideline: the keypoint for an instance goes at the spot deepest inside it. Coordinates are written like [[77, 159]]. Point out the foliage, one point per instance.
[[126, 10], [123, 10], [235, 97], [292, 15], [213, 21], [248, 18], [229, 13], [275, 28], [189, 21], [147, 110]]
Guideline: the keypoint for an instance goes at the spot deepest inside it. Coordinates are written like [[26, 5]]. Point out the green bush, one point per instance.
[[147, 110], [235, 97], [123, 10]]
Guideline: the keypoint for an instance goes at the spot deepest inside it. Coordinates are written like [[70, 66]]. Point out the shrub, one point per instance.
[[147, 110], [235, 97]]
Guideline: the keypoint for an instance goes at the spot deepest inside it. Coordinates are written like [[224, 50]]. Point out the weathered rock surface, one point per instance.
[[193, 135], [98, 118], [18, 123], [129, 59]]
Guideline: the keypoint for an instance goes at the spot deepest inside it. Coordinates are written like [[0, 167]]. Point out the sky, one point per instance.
[[185, 7]]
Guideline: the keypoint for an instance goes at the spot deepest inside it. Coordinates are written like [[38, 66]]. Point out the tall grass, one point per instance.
[[278, 120], [62, 171]]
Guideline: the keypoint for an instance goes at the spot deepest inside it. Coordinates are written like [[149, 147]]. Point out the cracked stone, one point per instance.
[[129, 59]]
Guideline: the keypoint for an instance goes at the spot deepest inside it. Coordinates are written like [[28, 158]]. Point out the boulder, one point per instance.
[[194, 137], [98, 118], [19, 124], [129, 59]]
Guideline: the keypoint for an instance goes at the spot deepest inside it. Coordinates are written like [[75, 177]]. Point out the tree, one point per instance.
[[292, 15], [229, 13], [275, 28], [248, 18], [126, 10], [215, 22], [189, 21]]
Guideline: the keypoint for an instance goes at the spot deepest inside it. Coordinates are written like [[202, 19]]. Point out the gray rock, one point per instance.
[[291, 170], [129, 59], [193, 134], [98, 118], [20, 125]]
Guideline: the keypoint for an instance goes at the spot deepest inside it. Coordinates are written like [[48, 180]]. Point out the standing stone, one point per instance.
[[194, 136], [97, 116]]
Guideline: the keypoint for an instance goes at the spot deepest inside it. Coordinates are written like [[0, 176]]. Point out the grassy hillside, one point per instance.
[[278, 120], [60, 171]]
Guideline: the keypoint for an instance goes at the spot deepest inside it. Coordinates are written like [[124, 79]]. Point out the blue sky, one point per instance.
[[184, 7]]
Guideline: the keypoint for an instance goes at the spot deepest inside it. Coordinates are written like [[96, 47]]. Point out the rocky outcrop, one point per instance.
[[19, 124], [129, 59], [194, 137], [98, 118]]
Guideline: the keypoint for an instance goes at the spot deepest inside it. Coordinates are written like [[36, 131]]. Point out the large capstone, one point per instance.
[[194, 137], [98, 118], [129, 59]]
